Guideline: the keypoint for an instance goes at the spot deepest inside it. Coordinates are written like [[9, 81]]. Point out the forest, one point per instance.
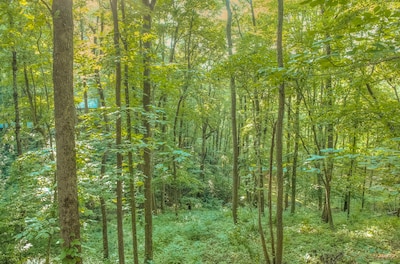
[[185, 131]]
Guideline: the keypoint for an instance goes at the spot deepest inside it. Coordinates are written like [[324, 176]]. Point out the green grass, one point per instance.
[[209, 236]]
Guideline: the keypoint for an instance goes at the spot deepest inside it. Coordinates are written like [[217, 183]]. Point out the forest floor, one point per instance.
[[209, 237]]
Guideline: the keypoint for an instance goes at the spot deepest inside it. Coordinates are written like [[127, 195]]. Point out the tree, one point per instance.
[[64, 112], [107, 129], [132, 189], [279, 139], [118, 130], [235, 144], [16, 103], [147, 153]]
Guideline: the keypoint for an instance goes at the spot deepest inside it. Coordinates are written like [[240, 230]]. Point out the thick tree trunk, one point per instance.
[[64, 111]]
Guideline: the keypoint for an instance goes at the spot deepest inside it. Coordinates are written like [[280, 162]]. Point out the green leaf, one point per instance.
[[315, 157]]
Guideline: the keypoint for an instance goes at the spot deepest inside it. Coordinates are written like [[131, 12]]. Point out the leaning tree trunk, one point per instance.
[[64, 112]]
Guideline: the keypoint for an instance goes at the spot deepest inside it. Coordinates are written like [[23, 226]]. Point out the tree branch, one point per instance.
[[47, 6]]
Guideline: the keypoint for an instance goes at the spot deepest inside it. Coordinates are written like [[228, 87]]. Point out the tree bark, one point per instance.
[[147, 153], [270, 220], [103, 205], [295, 152], [16, 103], [328, 166], [64, 111], [235, 144], [132, 189], [118, 132], [279, 142]]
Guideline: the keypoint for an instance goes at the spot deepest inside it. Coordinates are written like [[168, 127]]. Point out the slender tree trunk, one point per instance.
[[103, 208], [64, 112], [16, 104], [31, 93], [279, 142], [257, 149], [328, 167], [235, 165], [177, 131], [253, 16], [53, 209], [350, 175], [132, 189], [270, 220], [364, 186], [147, 154], [203, 154], [103, 205], [261, 229], [295, 152], [30, 97], [118, 132], [287, 174]]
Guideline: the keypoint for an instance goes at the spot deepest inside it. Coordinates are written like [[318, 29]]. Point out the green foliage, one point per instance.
[[70, 255], [27, 199]]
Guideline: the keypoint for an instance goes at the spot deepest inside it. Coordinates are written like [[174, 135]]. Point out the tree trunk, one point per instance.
[[147, 153], [16, 103], [279, 142], [261, 229], [103, 205], [287, 174], [295, 152], [203, 154], [328, 166], [64, 112], [132, 189], [235, 146], [270, 221], [118, 132]]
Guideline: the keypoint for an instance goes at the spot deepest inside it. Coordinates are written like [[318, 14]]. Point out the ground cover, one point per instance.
[[209, 236]]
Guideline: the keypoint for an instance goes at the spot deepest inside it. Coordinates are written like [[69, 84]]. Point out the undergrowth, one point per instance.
[[209, 236]]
